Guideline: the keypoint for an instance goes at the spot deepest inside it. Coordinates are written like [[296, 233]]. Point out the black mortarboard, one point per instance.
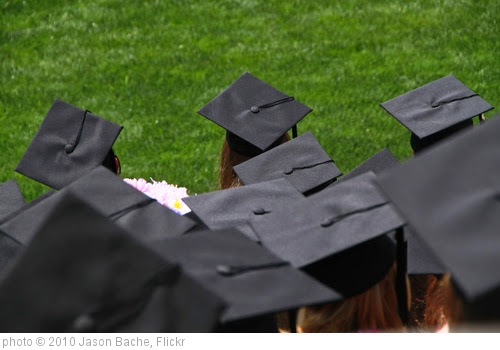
[[379, 162], [255, 112], [11, 198], [69, 143], [9, 250], [450, 196], [302, 161], [436, 106], [81, 272], [235, 207], [338, 235], [249, 278], [421, 260], [107, 193], [10, 247]]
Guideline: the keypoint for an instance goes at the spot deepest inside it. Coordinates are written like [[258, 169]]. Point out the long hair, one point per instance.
[[429, 311], [441, 296], [229, 159], [374, 309]]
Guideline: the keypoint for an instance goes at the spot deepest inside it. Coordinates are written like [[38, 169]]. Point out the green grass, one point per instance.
[[150, 65]]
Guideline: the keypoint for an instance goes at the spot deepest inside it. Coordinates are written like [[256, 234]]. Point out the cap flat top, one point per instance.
[[436, 106], [232, 110], [46, 160], [379, 162], [330, 221], [236, 207], [11, 198], [450, 197], [82, 266], [108, 194], [265, 284], [302, 161]]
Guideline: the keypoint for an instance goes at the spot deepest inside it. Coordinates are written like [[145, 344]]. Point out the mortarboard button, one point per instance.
[[327, 222], [228, 270], [224, 270], [260, 211]]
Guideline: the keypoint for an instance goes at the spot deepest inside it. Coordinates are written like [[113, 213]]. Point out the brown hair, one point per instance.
[[374, 309], [228, 160], [434, 303], [441, 296]]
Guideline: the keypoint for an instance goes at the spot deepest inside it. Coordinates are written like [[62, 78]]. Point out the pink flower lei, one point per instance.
[[165, 193]]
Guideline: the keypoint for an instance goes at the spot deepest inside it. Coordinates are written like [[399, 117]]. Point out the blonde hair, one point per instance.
[[228, 160], [374, 309]]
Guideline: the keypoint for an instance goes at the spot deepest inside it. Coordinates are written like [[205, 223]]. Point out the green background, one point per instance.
[[150, 65]]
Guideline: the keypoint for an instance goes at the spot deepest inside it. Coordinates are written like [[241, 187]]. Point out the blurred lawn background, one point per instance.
[[150, 65]]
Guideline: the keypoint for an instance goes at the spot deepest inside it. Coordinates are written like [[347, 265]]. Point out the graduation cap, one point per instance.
[[338, 235], [249, 278], [302, 161], [379, 162], [83, 273], [11, 198], [69, 143], [108, 194], [254, 113], [236, 207], [10, 247], [450, 196], [421, 260], [437, 109]]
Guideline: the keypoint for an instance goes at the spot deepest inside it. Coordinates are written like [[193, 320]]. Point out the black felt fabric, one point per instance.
[[262, 283], [108, 194], [379, 162], [436, 106], [10, 249], [46, 160], [421, 259], [302, 161], [450, 196], [238, 206], [11, 198], [330, 222], [83, 273], [232, 110], [354, 270]]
